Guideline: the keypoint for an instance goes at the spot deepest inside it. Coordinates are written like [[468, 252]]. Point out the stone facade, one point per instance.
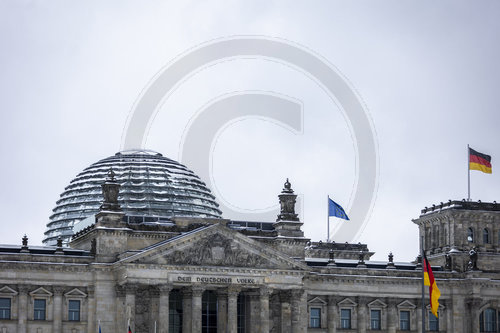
[[202, 275]]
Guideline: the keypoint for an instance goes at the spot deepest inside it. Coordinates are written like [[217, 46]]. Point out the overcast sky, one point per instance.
[[427, 71]]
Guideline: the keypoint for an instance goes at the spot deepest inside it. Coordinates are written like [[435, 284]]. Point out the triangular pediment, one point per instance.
[[317, 300], [407, 305], [41, 292], [347, 302], [7, 291], [377, 304], [215, 245], [75, 293]]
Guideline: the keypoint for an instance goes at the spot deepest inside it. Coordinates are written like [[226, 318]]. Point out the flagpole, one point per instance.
[[468, 173], [327, 218], [423, 288]]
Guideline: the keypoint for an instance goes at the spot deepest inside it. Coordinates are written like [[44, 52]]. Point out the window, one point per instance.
[[74, 310], [433, 322], [375, 319], [242, 311], [486, 236], [487, 320], [315, 318], [470, 235], [4, 308], [209, 312], [175, 311], [404, 320], [39, 309], [345, 318]]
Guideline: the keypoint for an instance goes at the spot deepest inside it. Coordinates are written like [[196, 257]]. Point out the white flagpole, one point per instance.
[[155, 326], [98, 325], [128, 324]]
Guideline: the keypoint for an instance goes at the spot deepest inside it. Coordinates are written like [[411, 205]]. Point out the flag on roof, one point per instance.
[[434, 292], [334, 209], [479, 161]]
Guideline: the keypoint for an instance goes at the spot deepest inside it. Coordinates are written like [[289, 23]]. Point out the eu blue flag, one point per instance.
[[334, 209]]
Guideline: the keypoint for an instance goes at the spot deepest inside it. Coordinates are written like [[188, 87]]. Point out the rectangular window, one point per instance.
[[74, 310], [375, 319], [345, 318], [404, 320], [315, 321], [433, 322], [39, 307], [4, 308]]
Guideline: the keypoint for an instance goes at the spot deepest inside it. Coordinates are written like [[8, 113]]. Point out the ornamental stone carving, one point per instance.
[[217, 250]]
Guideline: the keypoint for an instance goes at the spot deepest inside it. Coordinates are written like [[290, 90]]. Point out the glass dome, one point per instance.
[[153, 188]]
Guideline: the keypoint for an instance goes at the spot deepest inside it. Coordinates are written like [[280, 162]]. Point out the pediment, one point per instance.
[[41, 292], [215, 245], [75, 293], [377, 304], [7, 291], [317, 300], [406, 305], [347, 302]]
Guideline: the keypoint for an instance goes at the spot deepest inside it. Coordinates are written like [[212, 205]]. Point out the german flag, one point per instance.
[[479, 161], [434, 292]]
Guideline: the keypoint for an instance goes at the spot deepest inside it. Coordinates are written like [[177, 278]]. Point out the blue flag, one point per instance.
[[334, 209]]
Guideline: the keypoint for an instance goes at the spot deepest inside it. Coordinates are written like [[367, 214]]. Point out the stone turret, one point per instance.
[[288, 223]]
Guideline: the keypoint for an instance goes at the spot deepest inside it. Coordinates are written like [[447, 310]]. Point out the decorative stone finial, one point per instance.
[[110, 190], [361, 259], [24, 248], [390, 264], [59, 249], [331, 259], [287, 202]]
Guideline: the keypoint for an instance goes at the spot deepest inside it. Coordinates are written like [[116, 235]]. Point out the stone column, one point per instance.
[[187, 299], [222, 310], [91, 322], [286, 313], [130, 291], [331, 314], [362, 314], [197, 293], [254, 313], [163, 310], [264, 309], [299, 311], [232, 309], [57, 310], [22, 311], [392, 315]]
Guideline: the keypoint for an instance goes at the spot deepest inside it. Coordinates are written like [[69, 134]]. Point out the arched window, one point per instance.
[[486, 236], [470, 235], [488, 320]]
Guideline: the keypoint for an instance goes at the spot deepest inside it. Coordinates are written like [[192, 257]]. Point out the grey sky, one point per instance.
[[427, 71]]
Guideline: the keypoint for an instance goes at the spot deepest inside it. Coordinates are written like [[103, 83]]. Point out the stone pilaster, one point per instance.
[[232, 309], [22, 312], [299, 311], [197, 293], [57, 310], [418, 310], [332, 310], [187, 315], [91, 321], [392, 315], [362, 314], [264, 309], [163, 310], [474, 305], [121, 309], [286, 313], [130, 291], [222, 310]]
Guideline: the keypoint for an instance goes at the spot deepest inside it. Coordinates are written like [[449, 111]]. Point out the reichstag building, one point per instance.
[[138, 240]]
